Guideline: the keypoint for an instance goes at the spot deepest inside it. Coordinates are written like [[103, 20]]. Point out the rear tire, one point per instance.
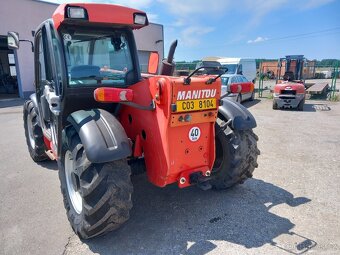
[[97, 196], [236, 156], [33, 132]]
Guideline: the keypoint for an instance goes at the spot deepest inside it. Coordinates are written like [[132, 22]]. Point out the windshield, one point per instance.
[[97, 58], [231, 68], [225, 80]]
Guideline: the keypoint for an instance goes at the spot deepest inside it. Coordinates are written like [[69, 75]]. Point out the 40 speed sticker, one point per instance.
[[194, 134]]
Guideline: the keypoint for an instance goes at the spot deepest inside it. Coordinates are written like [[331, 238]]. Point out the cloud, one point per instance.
[[258, 9], [191, 35], [258, 39], [152, 17]]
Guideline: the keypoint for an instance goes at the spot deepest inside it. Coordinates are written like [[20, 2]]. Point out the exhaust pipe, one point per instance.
[[168, 66]]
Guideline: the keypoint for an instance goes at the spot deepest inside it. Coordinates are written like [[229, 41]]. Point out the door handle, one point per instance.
[[53, 100]]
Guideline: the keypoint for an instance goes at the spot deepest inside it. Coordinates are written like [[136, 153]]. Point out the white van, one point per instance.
[[243, 66]]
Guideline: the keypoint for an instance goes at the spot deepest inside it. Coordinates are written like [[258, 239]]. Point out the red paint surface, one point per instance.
[[167, 149], [246, 87], [100, 13], [299, 87]]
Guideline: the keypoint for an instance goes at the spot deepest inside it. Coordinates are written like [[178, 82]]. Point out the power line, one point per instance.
[[305, 34]]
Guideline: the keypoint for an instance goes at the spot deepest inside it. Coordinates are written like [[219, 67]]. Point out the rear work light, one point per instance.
[[113, 95], [140, 19], [74, 12]]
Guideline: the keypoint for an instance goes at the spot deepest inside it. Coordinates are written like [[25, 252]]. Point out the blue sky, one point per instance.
[[245, 28]]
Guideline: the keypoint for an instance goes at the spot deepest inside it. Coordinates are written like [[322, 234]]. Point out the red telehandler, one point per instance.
[[101, 119]]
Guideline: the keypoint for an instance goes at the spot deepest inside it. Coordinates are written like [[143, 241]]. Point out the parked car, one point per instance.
[[237, 87]]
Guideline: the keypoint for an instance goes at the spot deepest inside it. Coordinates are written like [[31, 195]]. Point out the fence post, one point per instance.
[[260, 80], [335, 76]]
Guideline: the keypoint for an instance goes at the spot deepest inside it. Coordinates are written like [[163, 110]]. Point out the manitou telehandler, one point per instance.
[[101, 119]]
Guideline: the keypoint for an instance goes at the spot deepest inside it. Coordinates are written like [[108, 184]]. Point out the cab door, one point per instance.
[[48, 83]]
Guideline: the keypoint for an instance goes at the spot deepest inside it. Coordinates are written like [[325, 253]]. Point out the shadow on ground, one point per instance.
[[310, 108], [49, 164], [174, 221], [249, 104], [11, 102]]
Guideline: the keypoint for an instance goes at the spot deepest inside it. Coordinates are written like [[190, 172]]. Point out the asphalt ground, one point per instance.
[[291, 206]]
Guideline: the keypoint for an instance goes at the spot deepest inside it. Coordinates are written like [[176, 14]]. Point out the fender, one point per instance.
[[102, 135], [241, 118]]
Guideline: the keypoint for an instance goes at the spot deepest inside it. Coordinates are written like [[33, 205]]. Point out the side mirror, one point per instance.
[[13, 40], [153, 63]]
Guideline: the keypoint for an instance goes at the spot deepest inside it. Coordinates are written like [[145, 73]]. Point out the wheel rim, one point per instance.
[[72, 182], [30, 131]]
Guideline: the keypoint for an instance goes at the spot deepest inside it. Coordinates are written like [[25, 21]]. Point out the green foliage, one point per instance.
[[270, 96], [327, 62]]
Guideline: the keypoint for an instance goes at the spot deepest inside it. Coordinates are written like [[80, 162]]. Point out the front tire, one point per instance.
[[97, 196], [236, 156], [301, 104], [33, 132], [275, 107]]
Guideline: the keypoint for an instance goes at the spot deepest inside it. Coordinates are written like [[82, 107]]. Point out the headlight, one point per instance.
[[76, 13], [140, 19]]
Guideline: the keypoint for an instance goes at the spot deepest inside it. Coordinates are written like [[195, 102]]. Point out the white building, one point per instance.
[[23, 16]]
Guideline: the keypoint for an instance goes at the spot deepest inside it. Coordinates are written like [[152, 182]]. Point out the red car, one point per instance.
[[237, 87]]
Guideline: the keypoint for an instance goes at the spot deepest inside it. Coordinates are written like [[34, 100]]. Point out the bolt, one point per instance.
[[182, 180], [187, 118]]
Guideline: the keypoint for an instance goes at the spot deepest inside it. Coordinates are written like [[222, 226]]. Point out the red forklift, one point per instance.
[[289, 91]]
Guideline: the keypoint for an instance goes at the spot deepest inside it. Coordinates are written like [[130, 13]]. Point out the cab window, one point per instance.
[[97, 58]]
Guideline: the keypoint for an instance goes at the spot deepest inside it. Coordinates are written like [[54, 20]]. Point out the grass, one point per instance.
[[270, 96]]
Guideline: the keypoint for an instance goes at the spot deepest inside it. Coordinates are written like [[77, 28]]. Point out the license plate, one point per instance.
[[196, 105]]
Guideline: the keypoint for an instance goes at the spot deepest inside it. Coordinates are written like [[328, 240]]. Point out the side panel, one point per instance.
[[247, 90], [102, 135], [165, 142], [249, 68]]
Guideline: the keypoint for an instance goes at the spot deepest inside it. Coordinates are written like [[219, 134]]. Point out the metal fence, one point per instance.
[[268, 74]]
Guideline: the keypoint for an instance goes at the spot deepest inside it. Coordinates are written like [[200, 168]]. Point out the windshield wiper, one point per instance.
[[187, 80]]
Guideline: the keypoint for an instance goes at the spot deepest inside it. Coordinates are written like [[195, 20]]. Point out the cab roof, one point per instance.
[[107, 14]]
